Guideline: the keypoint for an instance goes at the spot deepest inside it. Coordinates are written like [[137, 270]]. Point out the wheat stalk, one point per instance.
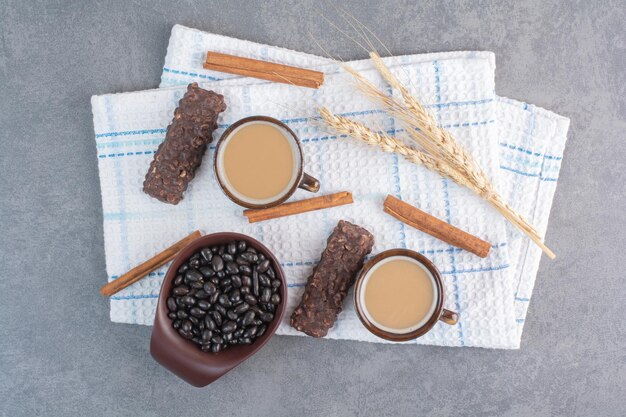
[[417, 116], [422, 127], [439, 151], [389, 144]]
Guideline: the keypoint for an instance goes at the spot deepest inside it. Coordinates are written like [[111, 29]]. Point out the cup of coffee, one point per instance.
[[258, 163], [399, 296]]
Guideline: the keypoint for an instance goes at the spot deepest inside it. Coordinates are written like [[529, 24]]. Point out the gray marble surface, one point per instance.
[[60, 355]]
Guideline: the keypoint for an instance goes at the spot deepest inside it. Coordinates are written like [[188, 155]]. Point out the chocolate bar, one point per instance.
[[177, 158], [328, 285]]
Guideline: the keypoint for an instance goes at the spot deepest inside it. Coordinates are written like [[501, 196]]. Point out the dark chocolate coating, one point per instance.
[[331, 279], [177, 158]]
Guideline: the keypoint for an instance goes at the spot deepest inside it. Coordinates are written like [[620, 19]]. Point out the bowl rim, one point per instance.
[[183, 357]]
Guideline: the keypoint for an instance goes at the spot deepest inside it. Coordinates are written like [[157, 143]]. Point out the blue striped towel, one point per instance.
[[491, 294], [531, 142]]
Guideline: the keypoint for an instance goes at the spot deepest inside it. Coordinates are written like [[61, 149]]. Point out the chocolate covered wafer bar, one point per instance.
[[328, 285], [177, 158]]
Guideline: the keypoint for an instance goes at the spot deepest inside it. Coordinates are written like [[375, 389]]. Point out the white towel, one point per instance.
[[458, 86], [531, 142]]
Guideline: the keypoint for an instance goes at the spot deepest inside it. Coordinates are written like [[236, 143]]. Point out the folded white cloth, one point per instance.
[[531, 142], [458, 86]]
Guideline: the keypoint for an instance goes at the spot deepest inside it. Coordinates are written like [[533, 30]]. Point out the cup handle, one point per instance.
[[309, 183], [449, 317]]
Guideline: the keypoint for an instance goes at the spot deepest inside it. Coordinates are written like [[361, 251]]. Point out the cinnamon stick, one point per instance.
[[297, 207], [423, 221], [264, 70], [148, 266]]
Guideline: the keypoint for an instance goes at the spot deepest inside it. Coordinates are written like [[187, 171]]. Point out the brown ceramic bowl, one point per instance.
[[303, 180], [440, 313], [183, 357]]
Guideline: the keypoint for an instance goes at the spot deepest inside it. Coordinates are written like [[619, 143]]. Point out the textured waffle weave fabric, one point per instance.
[[519, 145]]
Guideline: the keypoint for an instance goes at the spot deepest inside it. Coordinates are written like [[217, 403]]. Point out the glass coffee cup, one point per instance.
[[399, 296], [258, 163]]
